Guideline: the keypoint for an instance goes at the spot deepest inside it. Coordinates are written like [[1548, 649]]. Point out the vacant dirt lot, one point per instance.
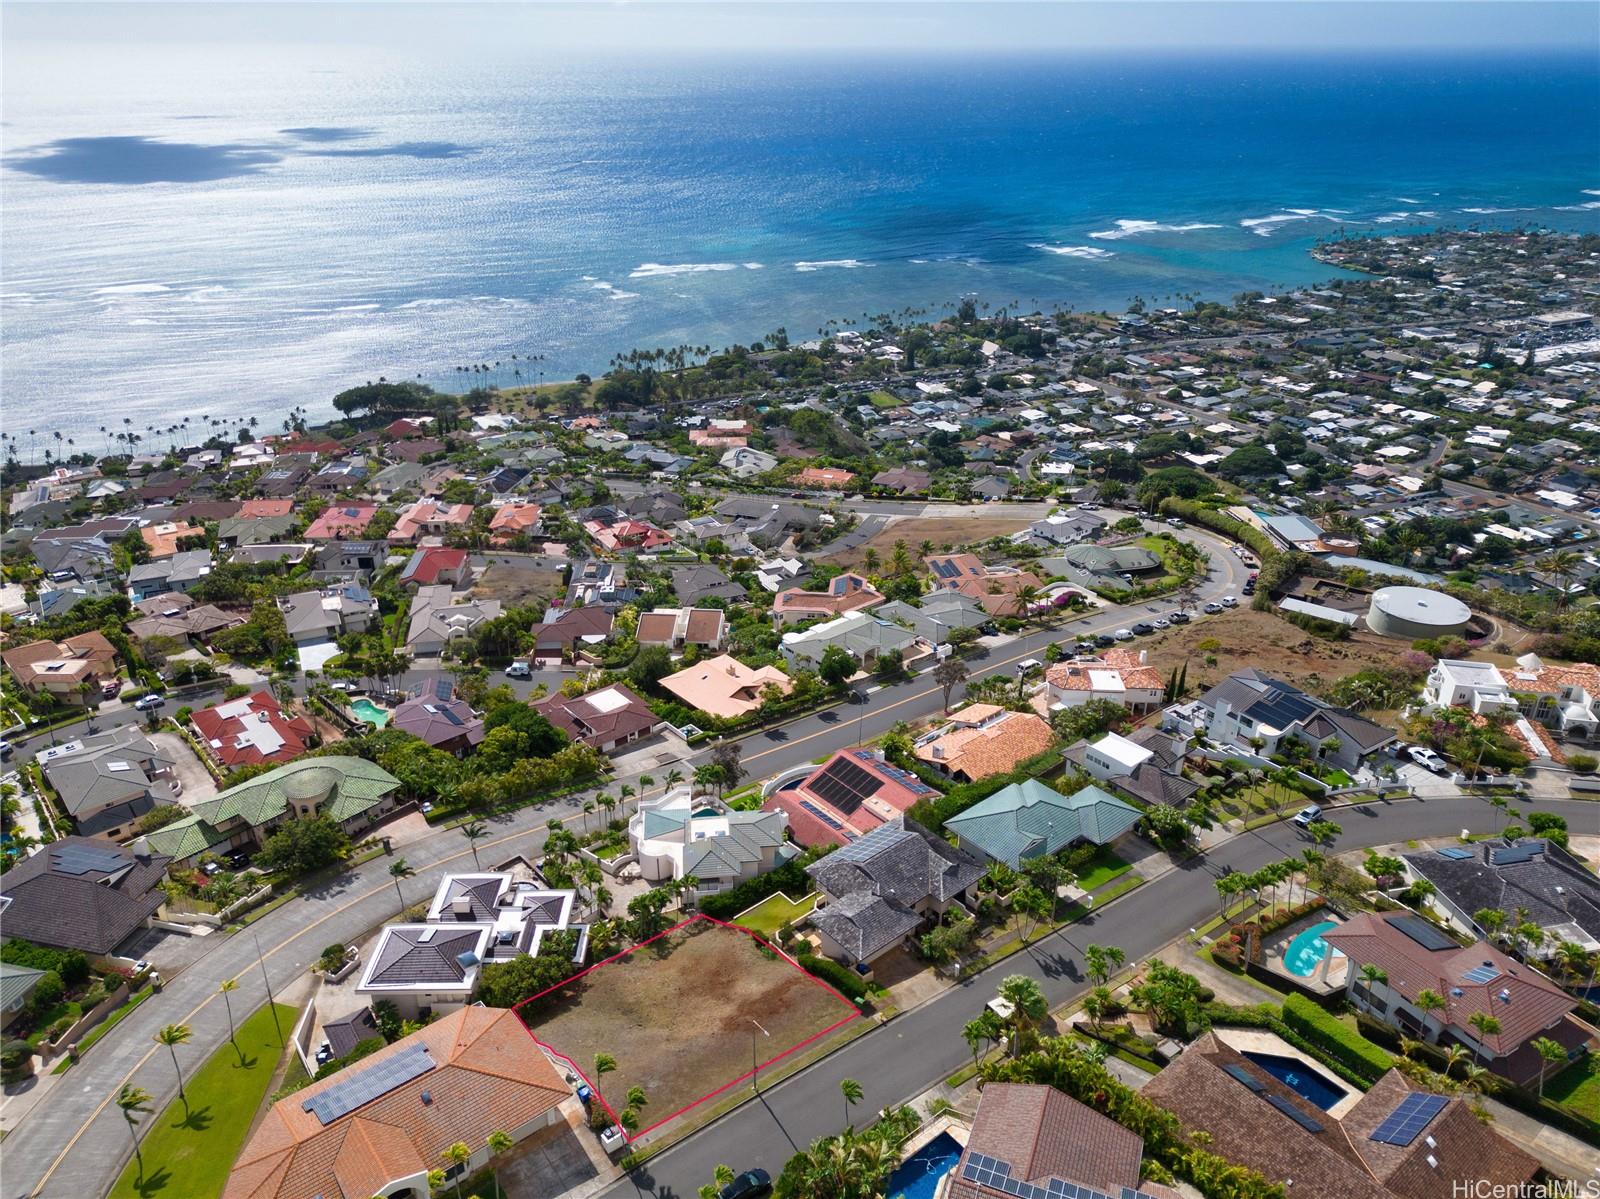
[[513, 586], [678, 1013], [945, 534]]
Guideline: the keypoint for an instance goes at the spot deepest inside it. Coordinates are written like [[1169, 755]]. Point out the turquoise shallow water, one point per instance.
[[1306, 951], [371, 712], [229, 242]]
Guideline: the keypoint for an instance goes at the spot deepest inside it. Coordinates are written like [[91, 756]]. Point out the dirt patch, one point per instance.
[[680, 1016], [516, 587], [1247, 638], [945, 534]]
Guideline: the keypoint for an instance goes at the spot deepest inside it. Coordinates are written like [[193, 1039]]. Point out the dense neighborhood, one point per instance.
[[634, 746]]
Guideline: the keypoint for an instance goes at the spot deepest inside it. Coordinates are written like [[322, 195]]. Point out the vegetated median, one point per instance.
[[189, 1148]]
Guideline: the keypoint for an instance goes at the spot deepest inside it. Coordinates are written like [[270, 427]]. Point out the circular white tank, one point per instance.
[[1416, 612]]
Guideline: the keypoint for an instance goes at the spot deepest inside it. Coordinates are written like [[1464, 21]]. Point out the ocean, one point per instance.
[[225, 244]]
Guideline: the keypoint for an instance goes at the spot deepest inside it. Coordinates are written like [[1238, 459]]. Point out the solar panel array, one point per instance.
[[1481, 974], [1294, 1113], [1410, 1116], [1456, 853], [1280, 708], [84, 859], [826, 819], [366, 1085], [1240, 1074], [996, 1174], [876, 842], [1420, 931], [1510, 855], [443, 689], [846, 785], [945, 568]]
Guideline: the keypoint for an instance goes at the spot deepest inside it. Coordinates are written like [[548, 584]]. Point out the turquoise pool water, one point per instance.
[[370, 712], [918, 1176], [1305, 952]]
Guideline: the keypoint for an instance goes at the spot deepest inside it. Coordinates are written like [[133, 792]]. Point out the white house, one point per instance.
[[681, 836]]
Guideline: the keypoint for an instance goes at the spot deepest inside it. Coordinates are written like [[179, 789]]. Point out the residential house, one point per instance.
[[860, 634], [428, 518], [84, 893], [628, 535], [682, 835], [514, 520], [982, 740], [937, 615], [380, 1126], [341, 522], [1122, 676], [16, 989], [1559, 895], [604, 720], [180, 572], [884, 887], [565, 630], [318, 617], [239, 531], [440, 615], [164, 539], [435, 564], [252, 729], [1414, 956], [1030, 820], [724, 686], [849, 795], [399, 479], [675, 628], [1146, 764], [108, 780], [843, 594], [1026, 1135], [60, 669], [1393, 1142], [768, 522], [358, 560], [696, 584], [903, 480], [1103, 567], [832, 477], [1061, 529], [353, 792], [742, 462], [445, 722], [474, 920], [1249, 709], [996, 589], [1565, 699]]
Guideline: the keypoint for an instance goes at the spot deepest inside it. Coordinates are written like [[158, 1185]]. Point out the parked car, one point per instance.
[[1427, 759], [1230, 601], [111, 688], [1179, 617], [752, 1184], [1143, 629], [1029, 665], [6, 748], [149, 703], [519, 670], [1212, 609], [1104, 641], [1161, 622], [1307, 814], [1123, 634], [1176, 522], [1084, 647]]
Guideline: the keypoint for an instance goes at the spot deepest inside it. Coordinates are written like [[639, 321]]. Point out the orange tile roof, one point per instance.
[[1135, 675], [996, 748], [163, 539]]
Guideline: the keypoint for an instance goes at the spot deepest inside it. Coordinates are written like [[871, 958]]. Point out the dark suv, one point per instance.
[[752, 1184]]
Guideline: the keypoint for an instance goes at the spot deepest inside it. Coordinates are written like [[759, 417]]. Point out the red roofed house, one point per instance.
[[1120, 675], [252, 729], [339, 521], [843, 594], [604, 720], [629, 534], [429, 517], [824, 476], [1474, 980], [678, 627], [514, 520], [435, 564], [258, 508], [379, 1126], [851, 793], [996, 590]]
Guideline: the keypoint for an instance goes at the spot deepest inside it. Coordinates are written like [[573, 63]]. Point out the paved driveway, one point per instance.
[[197, 782], [552, 1162], [167, 951]]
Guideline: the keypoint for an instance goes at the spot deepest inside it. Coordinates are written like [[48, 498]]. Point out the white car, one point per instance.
[[1230, 601], [1307, 814], [1123, 634], [148, 703], [1427, 759]]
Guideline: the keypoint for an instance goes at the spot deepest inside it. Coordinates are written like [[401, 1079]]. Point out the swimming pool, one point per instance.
[[1299, 1078], [1306, 951], [366, 710], [918, 1176]]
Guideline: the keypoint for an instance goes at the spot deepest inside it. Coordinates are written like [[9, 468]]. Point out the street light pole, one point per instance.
[[755, 1058], [272, 1004]]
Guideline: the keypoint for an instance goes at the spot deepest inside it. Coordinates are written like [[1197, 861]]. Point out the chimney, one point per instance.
[[461, 905], [141, 849]]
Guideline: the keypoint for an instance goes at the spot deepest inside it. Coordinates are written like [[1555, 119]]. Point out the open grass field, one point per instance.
[[773, 912], [945, 534], [188, 1150], [1577, 1087], [680, 1016]]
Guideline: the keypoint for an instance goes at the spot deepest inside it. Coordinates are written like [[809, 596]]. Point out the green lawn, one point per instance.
[[773, 912], [188, 1153], [1577, 1087], [882, 399], [1105, 867]]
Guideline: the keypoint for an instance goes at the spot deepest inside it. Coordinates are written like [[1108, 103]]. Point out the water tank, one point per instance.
[[1416, 612]]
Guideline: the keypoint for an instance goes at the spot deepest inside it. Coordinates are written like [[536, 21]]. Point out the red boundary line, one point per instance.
[[855, 1014]]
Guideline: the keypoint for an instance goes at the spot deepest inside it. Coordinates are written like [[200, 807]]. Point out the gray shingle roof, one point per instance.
[[404, 958]]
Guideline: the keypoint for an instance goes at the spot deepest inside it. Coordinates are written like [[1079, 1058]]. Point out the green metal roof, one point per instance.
[[1027, 820], [16, 982], [186, 838], [341, 786]]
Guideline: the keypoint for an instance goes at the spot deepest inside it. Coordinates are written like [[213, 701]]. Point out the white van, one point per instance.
[[519, 670]]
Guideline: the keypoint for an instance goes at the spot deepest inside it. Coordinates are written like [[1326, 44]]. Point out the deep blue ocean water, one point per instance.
[[233, 242]]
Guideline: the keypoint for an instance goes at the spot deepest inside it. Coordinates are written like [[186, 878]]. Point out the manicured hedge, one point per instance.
[[840, 978], [1321, 1028], [790, 878]]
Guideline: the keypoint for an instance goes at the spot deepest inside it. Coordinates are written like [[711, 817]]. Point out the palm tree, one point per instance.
[[1102, 961], [1574, 959], [588, 811], [608, 804], [474, 832], [604, 1063], [1551, 1053], [458, 1155], [721, 1177], [172, 1036], [672, 778], [1453, 1057], [499, 1142], [226, 987], [1029, 1007], [1485, 1025], [1097, 1003], [852, 1096], [398, 871], [133, 1103], [1560, 566], [1476, 1077], [1430, 1001]]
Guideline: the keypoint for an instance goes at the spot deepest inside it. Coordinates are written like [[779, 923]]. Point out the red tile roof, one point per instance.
[[231, 731]]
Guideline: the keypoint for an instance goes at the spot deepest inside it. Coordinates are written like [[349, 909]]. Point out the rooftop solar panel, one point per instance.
[[820, 814], [1420, 931], [85, 859], [1510, 855], [366, 1085], [1481, 974], [1294, 1113], [1240, 1074], [1456, 853], [1410, 1116], [845, 785]]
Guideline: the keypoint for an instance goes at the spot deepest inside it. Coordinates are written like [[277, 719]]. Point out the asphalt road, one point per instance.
[[74, 1141], [901, 1059]]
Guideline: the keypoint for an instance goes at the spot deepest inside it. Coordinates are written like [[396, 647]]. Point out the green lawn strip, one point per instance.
[[105, 1026], [1577, 1088], [774, 912], [188, 1153], [1102, 870]]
